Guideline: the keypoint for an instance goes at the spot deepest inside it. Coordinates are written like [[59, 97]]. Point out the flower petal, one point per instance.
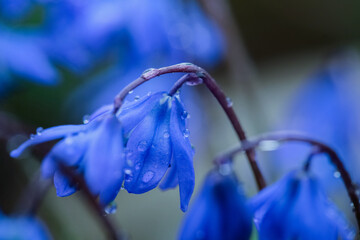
[[69, 151], [48, 135], [132, 113], [63, 185], [182, 153], [150, 146], [171, 178], [104, 159]]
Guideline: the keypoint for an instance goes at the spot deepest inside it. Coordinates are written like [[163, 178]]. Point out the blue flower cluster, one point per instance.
[[22, 228], [295, 207], [145, 143]]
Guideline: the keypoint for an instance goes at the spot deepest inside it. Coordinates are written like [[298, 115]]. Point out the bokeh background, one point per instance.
[[285, 65]]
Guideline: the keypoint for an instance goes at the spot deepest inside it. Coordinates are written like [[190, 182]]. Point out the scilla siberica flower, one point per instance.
[[153, 130], [297, 208], [219, 212], [157, 139], [22, 228], [94, 149]]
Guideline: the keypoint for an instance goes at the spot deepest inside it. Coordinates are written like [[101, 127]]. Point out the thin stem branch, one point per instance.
[[296, 137], [214, 89], [76, 178]]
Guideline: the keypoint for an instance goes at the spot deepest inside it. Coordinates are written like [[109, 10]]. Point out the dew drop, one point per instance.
[[86, 119], [166, 134], [194, 82], [229, 102], [128, 175], [128, 171], [186, 133], [147, 176], [225, 169], [131, 91], [39, 130], [137, 97], [149, 93], [337, 174], [129, 162], [148, 70], [352, 205], [111, 208], [142, 146], [138, 166], [184, 115], [32, 136]]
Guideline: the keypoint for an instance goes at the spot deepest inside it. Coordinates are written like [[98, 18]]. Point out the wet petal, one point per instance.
[[151, 150], [48, 135], [182, 153], [133, 113]]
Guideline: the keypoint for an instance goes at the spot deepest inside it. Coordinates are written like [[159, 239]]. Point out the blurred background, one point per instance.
[[285, 65]]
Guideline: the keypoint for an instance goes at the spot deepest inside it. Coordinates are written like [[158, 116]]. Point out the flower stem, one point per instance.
[[76, 178], [321, 147], [195, 71]]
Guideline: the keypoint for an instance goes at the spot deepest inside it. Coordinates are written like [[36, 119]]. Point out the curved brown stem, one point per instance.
[[296, 137], [214, 88]]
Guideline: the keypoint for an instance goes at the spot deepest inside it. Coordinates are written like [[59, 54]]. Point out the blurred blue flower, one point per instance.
[[219, 212], [157, 139], [325, 108], [297, 208], [22, 228], [94, 149], [21, 55], [15, 9]]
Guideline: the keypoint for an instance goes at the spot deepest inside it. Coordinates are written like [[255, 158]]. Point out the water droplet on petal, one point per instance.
[[129, 162], [337, 174], [39, 130], [86, 119], [32, 136], [111, 208], [225, 169], [229, 102], [184, 115], [131, 91], [166, 134], [149, 93], [186, 133], [128, 175], [142, 146], [138, 166], [136, 98], [147, 176]]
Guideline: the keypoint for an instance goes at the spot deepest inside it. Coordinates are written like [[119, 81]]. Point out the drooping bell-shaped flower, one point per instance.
[[157, 139], [22, 228], [297, 208], [219, 212], [94, 149]]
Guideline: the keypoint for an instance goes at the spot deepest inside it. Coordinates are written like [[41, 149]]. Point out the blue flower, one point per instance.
[[21, 55], [297, 208], [22, 228], [323, 103], [94, 149], [157, 139], [219, 212]]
